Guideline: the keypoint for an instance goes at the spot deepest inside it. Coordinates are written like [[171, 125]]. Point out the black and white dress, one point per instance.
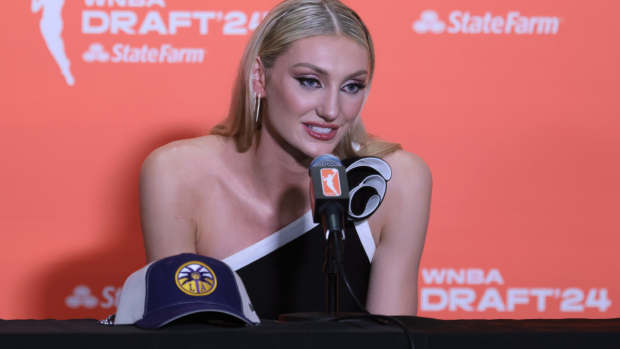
[[283, 273]]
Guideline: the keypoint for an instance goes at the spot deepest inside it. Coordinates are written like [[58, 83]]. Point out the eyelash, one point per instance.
[[308, 82], [357, 85], [315, 83]]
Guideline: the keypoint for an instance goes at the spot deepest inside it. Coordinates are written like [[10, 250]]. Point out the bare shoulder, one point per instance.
[[180, 151], [409, 172], [401, 224], [173, 174], [170, 180], [185, 158], [407, 200]]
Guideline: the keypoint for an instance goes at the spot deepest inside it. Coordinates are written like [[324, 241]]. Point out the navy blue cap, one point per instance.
[[177, 286]]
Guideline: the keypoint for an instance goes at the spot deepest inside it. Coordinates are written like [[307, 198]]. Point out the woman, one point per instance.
[[303, 81]]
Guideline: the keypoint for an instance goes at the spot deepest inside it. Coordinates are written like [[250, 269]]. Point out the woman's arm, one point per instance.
[[168, 226], [403, 217]]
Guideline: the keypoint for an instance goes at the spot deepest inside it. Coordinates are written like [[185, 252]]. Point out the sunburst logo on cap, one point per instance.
[[195, 279]]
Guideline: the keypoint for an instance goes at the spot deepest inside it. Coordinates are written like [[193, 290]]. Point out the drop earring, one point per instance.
[[257, 116]]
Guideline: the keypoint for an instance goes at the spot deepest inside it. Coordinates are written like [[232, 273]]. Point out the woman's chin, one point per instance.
[[313, 152]]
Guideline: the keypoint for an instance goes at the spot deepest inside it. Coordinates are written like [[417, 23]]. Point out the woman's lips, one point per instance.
[[321, 132]]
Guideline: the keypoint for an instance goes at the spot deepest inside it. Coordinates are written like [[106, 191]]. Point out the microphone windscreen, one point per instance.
[[325, 160]]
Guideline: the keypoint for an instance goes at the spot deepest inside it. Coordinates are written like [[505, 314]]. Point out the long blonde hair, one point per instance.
[[288, 22]]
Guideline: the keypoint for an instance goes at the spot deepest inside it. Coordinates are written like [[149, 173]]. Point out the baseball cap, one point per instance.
[[173, 287]]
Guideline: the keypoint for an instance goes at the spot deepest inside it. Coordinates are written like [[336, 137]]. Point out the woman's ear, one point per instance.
[[257, 79]]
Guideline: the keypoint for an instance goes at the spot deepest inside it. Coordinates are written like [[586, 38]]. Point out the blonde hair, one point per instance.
[[288, 22]]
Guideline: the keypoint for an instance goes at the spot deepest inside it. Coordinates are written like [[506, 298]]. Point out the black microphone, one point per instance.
[[330, 192]]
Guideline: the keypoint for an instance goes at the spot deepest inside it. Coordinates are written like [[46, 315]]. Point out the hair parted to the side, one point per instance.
[[288, 22]]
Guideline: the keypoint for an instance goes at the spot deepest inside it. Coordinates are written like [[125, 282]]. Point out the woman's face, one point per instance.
[[315, 91]]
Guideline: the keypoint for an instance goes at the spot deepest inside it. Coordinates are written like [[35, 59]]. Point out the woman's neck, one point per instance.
[[279, 174]]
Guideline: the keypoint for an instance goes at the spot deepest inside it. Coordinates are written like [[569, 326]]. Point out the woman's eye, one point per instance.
[[309, 82], [353, 87]]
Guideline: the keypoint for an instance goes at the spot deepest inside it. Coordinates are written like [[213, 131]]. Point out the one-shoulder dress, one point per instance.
[[283, 273]]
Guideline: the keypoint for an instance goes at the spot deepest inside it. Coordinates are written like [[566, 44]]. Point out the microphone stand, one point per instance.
[[333, 224], [333, 227], [331, 269], [329, 189]]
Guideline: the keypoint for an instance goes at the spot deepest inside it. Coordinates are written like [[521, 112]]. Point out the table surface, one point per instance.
[[425, 332]]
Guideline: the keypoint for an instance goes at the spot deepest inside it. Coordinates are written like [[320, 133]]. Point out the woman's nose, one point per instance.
[[329, 107]]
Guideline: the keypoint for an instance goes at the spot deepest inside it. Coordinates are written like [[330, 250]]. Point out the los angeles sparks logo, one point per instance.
[[196, 279]]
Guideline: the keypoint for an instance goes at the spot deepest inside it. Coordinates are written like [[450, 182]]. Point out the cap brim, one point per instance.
[[162, 316]]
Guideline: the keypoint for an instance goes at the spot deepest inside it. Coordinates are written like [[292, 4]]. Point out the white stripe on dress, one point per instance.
[[287, 234], [365, 235]]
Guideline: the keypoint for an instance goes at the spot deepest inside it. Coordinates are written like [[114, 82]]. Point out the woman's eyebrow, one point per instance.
[[311, 66], [322, 71], [359, 72]]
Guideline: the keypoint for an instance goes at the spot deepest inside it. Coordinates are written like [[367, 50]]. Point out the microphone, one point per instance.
[[329, 191]]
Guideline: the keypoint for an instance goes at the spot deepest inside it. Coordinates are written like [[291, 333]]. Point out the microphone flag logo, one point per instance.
[[330, 180]]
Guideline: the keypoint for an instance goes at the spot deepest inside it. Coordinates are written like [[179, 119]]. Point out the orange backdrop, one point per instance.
[[513, 104]]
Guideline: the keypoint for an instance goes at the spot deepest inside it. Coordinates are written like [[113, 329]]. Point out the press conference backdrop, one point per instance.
[[513, 104]]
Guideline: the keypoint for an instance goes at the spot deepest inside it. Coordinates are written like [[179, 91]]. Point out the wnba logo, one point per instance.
[[51, 28], [330, 181]]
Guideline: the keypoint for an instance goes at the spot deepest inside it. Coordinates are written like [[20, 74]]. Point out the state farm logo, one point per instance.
[[123, 31], [122, 53], [82, 297], [96, 53], [463, 22], [429, 22]]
